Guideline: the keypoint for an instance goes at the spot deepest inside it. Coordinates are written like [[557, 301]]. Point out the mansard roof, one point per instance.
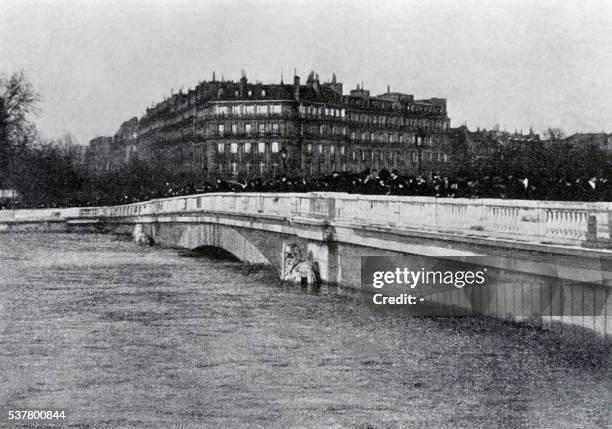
[[313, 91]]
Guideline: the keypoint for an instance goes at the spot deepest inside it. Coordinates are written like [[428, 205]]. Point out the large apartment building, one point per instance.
[[241, 129]]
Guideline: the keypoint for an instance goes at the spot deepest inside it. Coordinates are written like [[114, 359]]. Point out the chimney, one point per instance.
[[243, 85], [296, 87], [313, 82], [334, 85]]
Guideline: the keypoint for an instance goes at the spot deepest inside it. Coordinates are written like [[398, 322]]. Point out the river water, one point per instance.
[[126, 336]]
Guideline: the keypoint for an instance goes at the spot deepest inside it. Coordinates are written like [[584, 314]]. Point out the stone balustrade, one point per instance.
[[39, 214], [562, 223]]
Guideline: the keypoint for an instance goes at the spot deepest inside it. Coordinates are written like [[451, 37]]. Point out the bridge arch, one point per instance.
[[229, 239], [214, 252], [246, 244]]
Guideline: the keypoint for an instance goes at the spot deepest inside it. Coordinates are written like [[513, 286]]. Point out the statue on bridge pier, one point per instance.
[[297, 269], [140, 237]]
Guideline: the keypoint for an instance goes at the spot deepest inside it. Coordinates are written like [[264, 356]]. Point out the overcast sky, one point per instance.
[[517, 63]]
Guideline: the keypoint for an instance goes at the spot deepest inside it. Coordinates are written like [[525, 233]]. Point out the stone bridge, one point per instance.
[[552, 260]]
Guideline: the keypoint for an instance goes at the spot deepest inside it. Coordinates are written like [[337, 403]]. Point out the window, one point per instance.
[[332, 150], [250, 92], [320, 148], [221, 129], [234, 147], [262, 168], [276, 109], [342, 149], [353, 135], [220, 147], [262, 128], [309, 147], [274, 147], [390, 137], [247, 128], [321, 129], [236, 110], [261, 147], [372, 136], [249, 110], [275, 128], [419, 141], [263, 92], [445, 158], [234, 128], [415, 157], [234, 168], [247, 148]]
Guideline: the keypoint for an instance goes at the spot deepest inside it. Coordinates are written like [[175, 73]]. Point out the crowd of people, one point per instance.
[[384, 182]]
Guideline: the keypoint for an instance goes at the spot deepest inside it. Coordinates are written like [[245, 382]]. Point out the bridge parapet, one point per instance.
[[543, 221], [569, 223], [566, 223], [34, 215]]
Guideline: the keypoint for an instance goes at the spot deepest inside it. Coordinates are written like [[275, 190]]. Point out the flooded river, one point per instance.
[[124, 336]]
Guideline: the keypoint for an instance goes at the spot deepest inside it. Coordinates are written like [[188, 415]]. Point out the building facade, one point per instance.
[[601, 140], [243, 130], [99, 155]]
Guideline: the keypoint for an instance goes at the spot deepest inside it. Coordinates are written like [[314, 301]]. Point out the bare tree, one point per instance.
[[68, 147], [554, 134], [18, 101]]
